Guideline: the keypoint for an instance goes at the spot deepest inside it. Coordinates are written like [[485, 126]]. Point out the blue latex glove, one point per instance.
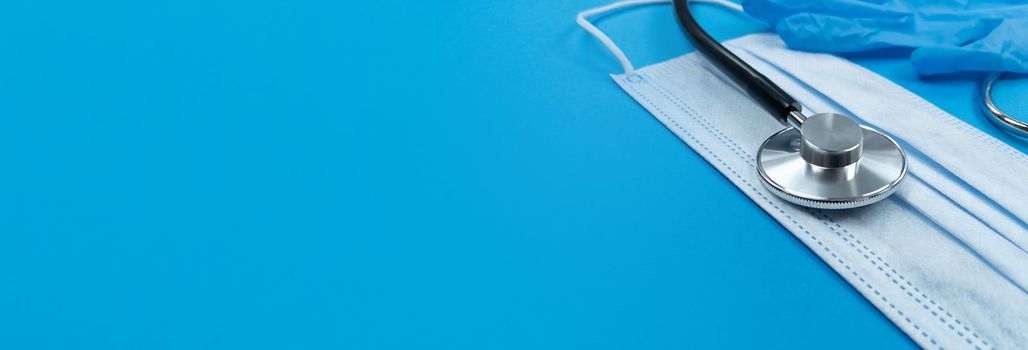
[[947, 35]]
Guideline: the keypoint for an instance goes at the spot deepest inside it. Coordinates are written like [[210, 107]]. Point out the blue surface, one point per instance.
[[319, 174]]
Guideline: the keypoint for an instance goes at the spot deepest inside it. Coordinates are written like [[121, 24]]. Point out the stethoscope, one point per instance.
[[824, 161], [995, 115]]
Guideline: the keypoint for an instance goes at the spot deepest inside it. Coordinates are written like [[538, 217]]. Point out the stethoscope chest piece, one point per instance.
[[831, 162], [826, 161]]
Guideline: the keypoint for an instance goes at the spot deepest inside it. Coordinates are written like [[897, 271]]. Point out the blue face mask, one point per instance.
[[945, 258], [947, 36]]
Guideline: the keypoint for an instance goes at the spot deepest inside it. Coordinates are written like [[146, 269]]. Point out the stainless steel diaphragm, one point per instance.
[[831, 162]]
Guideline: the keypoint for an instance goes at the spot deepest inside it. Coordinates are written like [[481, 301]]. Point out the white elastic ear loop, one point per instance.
[[603, 38]]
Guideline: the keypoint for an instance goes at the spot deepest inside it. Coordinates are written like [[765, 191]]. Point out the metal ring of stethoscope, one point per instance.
[[796, 165], [995, 115], [824, 161]]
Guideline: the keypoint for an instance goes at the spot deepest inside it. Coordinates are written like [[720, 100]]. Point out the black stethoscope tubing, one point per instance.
[[817, 162], [769, 95]]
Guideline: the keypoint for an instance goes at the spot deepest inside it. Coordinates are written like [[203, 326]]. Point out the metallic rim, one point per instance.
[[826, 204], [995, 115], [830, 203]]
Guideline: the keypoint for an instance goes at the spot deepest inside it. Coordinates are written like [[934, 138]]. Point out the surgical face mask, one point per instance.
[[945, 258]]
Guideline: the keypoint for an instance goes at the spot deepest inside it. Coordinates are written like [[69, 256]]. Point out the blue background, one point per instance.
[[408, 174]]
